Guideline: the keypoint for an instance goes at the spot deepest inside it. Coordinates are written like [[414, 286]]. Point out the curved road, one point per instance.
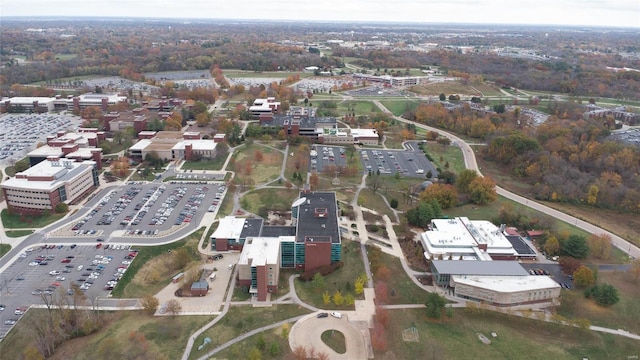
[[470, 163]]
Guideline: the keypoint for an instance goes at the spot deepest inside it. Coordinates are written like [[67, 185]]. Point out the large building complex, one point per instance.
[[74, 146], [497, 283], [463, 239], [313, 240], [43, 186], [173, 145], [302, 121]]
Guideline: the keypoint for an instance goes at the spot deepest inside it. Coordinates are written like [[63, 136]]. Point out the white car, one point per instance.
[[61, 278], [336, 315], [34, 263], [54, 272], [80, 267]]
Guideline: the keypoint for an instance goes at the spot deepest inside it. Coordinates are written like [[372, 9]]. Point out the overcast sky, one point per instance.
[[616, 13]]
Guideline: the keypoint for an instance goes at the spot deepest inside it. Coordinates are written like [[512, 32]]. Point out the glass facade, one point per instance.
[[336, 252], [287, 254]]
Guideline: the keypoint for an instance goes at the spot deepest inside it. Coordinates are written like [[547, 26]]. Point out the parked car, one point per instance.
[[322, 315], [336, 315]]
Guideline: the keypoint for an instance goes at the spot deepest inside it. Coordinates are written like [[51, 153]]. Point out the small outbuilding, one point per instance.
[[199, 288]]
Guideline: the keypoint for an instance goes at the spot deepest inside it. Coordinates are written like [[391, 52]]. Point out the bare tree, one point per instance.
[[174, 307]]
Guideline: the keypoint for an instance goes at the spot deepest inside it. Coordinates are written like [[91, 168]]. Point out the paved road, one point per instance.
[[470, 163], [307, 332]]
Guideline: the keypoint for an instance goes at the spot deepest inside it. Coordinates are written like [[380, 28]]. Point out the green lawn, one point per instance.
[[253, 171], [450, 154], [399, 107], [124, 333], [401, 290], [214, 164], [12, 221], [335, 340], [241, 319], [18, 233], [272, 344], [262, 200], [342, 280], [517, 338], [360, 107], [374, 201], [623, 315], [4, 248]]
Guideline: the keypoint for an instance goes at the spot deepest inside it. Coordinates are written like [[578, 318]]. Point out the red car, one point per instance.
[[65, 261], [98, 245]]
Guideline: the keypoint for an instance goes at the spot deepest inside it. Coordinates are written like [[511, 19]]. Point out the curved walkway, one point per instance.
[[307, 332]]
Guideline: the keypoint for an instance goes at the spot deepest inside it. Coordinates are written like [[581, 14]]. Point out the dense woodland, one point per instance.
[[566, 159], [577, 59]]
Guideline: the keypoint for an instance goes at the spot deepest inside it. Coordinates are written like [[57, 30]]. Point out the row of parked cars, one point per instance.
[[123, 202], [218, 198]]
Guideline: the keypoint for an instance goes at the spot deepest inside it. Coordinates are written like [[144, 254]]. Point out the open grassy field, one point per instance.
[[262, 200], [214, 164], [371, 200], [241, 319], [401, 289], [517, 338], [342, 280], [487, 89], [360, 107], [271, 344], [623, 315], [136, 281], [398, 107], [162, 338], [450, 154], [73, 78], [251, 169], [13, 221]]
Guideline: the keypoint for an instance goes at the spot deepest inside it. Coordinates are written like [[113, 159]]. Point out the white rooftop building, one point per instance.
[[461, 238]]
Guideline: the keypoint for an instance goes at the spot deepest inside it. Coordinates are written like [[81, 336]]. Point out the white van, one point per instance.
[[212, 276]]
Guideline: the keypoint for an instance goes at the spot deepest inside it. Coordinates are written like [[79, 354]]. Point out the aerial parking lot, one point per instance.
[[21, 133], [410, 163], [144, 210], [324, 156], [53, 272]]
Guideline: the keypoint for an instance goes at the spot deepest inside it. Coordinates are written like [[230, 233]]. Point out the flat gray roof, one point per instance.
[[478, 267], [318, 218]]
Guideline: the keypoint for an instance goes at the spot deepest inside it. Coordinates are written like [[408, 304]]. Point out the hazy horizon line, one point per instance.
[[317, 21]]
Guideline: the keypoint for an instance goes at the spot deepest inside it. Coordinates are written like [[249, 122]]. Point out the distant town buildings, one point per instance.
[[46, 104]]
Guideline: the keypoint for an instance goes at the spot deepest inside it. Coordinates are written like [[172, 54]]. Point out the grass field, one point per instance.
[[371, 200], [360, 107], [517, 338], [623, 315], [73, 78], [401, 289], [450, 154], [342, 280], [261, 200], [488, 89], [4, 248], [241, 319], [214, 164], [272, 344], [253, 171], [133, 282], [12, 221], [18, 233], [153, 337], [335, 340], [399, 107]]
